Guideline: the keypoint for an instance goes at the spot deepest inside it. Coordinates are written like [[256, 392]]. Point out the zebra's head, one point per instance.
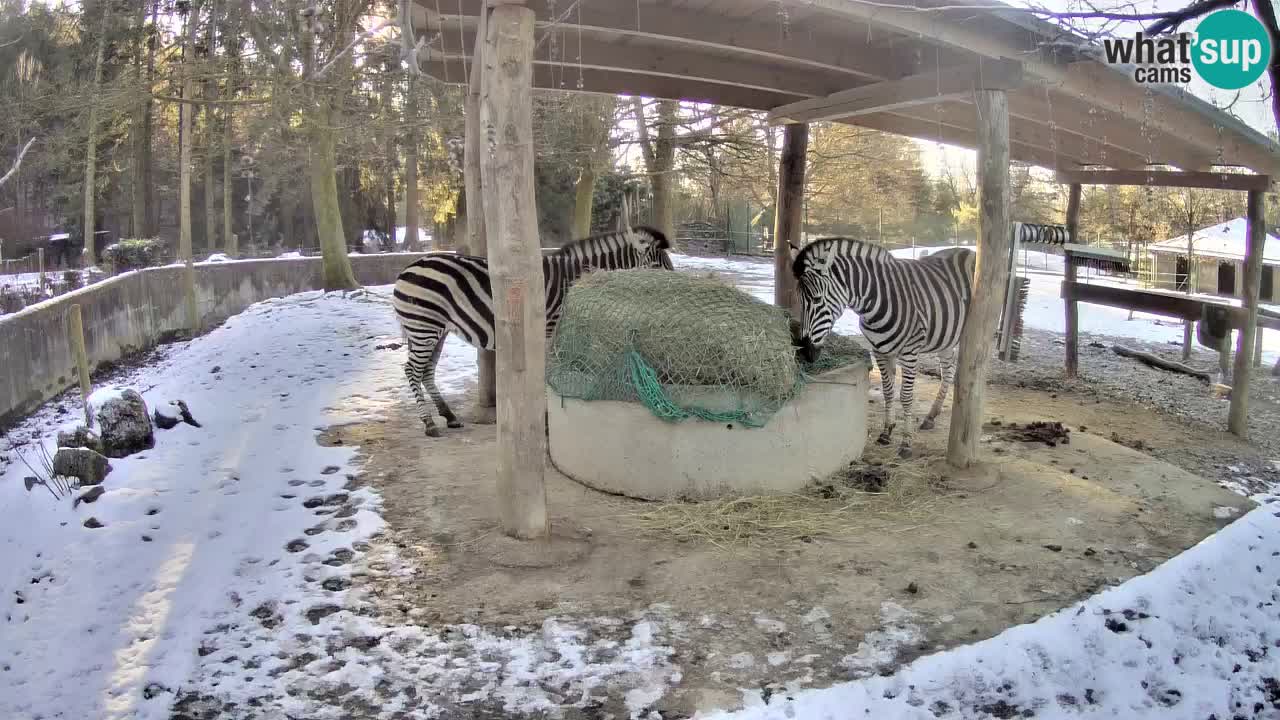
[[651, 246], [823, 296]]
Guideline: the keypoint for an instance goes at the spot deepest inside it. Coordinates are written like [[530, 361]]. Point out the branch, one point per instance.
[[1267, 14], [1196, 9], [17, 163], [199, 101], [355, 41]]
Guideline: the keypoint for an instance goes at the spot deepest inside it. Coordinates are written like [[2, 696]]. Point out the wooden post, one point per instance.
[[75, 334], [1257, 349], [1193, 272], [477, 242], [1069, 276], [788, 217], [40, 264], [1238, 416], [515, 267], [990, 276]]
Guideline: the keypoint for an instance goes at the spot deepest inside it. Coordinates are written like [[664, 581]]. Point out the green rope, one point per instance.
[[654, 397]]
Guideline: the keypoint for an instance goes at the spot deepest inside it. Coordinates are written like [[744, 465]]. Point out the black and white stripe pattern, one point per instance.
[[906, 308], [445, 292]]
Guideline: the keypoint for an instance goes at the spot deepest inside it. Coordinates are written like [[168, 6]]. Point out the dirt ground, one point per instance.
[[1033, 529]]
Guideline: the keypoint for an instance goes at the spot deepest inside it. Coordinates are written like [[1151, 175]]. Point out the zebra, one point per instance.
[[906, 308], [445, 291]]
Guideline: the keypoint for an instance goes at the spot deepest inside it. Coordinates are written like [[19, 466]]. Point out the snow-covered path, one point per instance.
[[225, 545], [94, 616]]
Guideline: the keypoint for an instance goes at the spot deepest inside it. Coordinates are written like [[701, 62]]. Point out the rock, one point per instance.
[[87, 465], [125, 425], [89, 496], [170, 414], [81, 437], [92, 523]]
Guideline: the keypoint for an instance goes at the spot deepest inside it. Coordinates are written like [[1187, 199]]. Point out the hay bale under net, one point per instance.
[[683, 345]]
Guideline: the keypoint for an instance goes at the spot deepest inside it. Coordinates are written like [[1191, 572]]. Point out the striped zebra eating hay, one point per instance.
[[444, 292], [906, 308]]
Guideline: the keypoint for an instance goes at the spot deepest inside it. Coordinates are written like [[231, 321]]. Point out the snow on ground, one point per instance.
[[223, 571], [1198, 637]]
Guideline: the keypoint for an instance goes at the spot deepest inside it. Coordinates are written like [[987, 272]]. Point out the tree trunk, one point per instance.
[[228, 196], [210, 91], [137, 130], [659, 157], [411, 201], [990, 276], [516, 271], [147, 153], [91, 151], [322, 170], [584, 191], [788, 219], [185, 139]]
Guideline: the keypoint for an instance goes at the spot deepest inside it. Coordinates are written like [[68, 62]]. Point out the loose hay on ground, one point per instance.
[[906, 493]]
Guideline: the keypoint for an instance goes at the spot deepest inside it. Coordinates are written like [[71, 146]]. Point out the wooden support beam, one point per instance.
[[1072, 366], [644, 56], [622, 82], [485, 410], [1063, 149], [1171, 110], [788, 220], [1238, 415], [890, 95], [515, 264], [952, 135], [1168, 178], [1178, 307], [989, 280], [708, 32], [1106, 133]]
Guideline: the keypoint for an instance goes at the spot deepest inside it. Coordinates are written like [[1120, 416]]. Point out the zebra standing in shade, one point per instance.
[[906, 308], [444, 291]]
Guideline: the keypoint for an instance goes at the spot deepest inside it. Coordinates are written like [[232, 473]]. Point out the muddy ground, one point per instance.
[[1033, 529]]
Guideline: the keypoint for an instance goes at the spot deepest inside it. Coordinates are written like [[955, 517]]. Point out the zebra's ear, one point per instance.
[[795, 251]]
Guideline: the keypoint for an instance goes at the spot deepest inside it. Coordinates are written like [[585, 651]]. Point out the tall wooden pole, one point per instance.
[[1069, 276], [990, 276], [1238, 416], [477, 243], [788, 218], [515, 266]]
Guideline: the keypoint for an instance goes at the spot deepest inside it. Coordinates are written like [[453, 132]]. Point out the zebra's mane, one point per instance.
[[591, 242], [861, 248]]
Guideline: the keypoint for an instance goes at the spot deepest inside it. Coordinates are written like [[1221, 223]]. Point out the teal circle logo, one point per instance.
[[1232, 49]]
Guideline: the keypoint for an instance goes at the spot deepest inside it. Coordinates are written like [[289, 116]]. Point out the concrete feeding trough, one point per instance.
[[623, 448]]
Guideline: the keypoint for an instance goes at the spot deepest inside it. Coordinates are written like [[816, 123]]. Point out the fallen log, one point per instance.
[[1156, 361]]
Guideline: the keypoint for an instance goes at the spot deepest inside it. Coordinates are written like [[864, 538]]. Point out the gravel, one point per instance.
[[1103, 374]]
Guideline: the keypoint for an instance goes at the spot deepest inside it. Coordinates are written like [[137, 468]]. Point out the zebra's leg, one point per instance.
[[906, 397], [947, 371], [421, 354], [888, 368], [450, 419]]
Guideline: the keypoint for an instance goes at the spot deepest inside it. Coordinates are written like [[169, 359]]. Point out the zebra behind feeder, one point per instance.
[[443, 292], [906, 308]]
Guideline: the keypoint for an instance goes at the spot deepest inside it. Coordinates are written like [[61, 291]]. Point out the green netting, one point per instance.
[[682, 345]]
